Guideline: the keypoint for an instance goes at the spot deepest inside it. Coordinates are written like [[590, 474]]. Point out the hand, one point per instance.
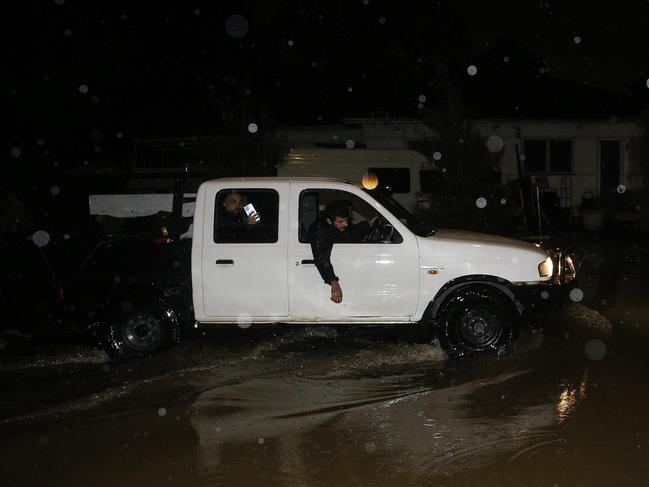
[[336, 292], [372, 220], [253, 219]]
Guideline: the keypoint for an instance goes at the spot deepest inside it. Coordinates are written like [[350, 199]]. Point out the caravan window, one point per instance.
[[396, 178]]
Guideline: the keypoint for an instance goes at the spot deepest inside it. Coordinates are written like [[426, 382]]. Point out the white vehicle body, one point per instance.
[[383, 282]]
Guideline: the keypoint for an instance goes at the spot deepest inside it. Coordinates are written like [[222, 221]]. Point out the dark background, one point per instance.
[[83, 79]]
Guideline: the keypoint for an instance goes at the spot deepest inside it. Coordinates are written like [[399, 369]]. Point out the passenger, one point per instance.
[[233, 214], [232, 223], [323, 233]]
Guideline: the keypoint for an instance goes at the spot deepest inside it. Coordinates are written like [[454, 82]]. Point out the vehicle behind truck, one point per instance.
[[468, 289]]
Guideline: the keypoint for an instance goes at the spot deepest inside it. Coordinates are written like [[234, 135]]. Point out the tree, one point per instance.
[[461, 151]]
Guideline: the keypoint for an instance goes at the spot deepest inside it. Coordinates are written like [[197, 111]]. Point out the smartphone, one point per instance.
[[250, 211]]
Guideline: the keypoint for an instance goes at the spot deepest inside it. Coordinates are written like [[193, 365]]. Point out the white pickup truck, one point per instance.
[[468, 288]]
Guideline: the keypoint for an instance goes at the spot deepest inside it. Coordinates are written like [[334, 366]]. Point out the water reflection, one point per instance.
[[429, 426], [570, 398]]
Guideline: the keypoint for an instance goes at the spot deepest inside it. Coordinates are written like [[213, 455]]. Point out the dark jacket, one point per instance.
[[322, 237]]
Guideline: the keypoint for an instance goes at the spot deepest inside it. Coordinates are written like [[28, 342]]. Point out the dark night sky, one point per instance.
[[83, 76]]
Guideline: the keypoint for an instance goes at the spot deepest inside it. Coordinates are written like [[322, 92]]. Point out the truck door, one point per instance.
[[243, 264], [379, 279]]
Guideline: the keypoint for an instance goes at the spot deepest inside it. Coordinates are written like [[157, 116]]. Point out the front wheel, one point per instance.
[[474, 319]]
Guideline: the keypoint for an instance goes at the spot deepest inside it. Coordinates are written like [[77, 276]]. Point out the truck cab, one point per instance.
[[468, 288]]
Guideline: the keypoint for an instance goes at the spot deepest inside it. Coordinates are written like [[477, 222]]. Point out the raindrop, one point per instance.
[[495, 143], [506, 59], [545, 295], [621, 188], [236, 26], [420, 106], [119, 135], [41, 238], [577, 40], [3, 344], [260, 441], [422, 98], [55, 190], [366, 2], [124, 17], [382, 20], [42, 440], [472, 70], [96, 149], [162, 412], [290, 43], [67, 32], [244, 321], [16, 152], [349, 89], [334, 136], [595, 349], [437, 156], [40, 142], [350, 144], [197, 11], [503, 201], [59, 2], [647, 82], [481, 202], [370, 447], [126, 306], [576, 295], [514, 260], [252, 128], [83, 89]]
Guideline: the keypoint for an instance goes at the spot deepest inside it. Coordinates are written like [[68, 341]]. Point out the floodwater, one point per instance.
[[346, 406]]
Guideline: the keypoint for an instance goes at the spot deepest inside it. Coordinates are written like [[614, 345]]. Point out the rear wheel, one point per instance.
[[136, 331], [474, 319]]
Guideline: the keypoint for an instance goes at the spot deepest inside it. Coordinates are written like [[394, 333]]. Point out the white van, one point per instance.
[[409, 175]]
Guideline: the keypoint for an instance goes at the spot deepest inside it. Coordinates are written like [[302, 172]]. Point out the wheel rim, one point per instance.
[[479, 328], [142, 332]]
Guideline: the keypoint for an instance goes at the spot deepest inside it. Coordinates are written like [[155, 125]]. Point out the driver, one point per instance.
[[334, 227]]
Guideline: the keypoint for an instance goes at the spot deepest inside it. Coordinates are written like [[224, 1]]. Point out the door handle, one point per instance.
[[225, 262], [308, 261]]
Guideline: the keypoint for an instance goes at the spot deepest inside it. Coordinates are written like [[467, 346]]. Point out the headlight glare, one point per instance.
[[546, 267]]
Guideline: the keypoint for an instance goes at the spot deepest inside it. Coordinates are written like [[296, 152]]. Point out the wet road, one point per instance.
[[348, 406]]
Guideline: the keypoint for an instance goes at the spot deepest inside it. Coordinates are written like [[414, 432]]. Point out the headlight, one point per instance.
[[545, 268]]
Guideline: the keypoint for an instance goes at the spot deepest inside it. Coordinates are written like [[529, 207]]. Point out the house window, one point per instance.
[[548, 156]]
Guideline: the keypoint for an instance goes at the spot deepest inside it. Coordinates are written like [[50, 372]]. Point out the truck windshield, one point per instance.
[[414, 224]]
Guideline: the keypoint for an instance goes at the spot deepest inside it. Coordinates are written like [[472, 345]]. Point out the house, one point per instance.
[[575, 159]]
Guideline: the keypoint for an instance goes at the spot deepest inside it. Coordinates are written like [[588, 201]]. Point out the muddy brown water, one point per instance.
[[322, 406]]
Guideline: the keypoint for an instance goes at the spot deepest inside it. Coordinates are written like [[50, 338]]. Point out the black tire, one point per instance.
[[475, 318], [137, 330]]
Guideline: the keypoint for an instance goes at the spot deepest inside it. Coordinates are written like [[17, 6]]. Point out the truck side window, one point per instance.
[[231, 220], [312, 206]]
